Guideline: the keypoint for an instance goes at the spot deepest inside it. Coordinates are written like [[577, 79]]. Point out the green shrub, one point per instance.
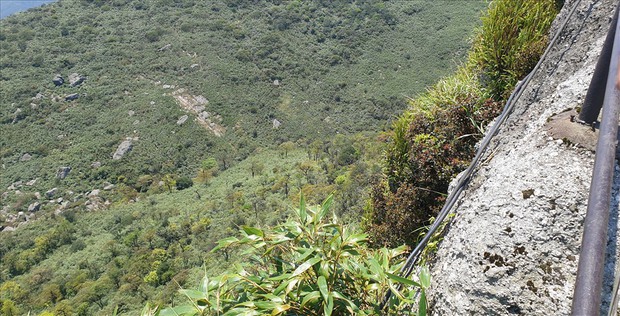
[[184, 183], [513, 36], [310, 265], [434, 140]]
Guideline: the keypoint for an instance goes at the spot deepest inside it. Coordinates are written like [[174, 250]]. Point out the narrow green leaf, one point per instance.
[[223, 280], [179, 310], [306, 254], [241, 311], [280, 309], [303, 214], [265, 305], [273, 298], [329, 307], [147, 311], [351, 252], [253, 231], [312, 296], [280, 277], [291, 285], [322, 283], [402, 280], [281, 287], [248, 304], [192, 293], [375, 267], [422, 304], [223, 243], [395, 292], [204, 286], [324, 269], [305, 266], [373, 287], [326, 206], [350, 304], [356, 238], [425, 277]]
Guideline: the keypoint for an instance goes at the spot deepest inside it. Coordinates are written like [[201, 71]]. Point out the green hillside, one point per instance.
[[253, 100], [339, 68]]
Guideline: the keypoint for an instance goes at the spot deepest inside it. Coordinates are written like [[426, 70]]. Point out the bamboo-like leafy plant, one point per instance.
[[310, 265]]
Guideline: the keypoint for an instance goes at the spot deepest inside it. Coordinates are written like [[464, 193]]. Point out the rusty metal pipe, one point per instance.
[[588, 286], [596, 91]]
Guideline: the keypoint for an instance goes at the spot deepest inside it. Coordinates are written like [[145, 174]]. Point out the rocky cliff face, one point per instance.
[[513, 245]]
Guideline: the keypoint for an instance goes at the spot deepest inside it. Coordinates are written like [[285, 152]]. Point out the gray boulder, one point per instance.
[[72, 96], [34, 207], [50, 193], [63, 172], [25, 157], [76, 79], [18, 115], [182, 119], [58, 80], [122, 149], [15, 185]]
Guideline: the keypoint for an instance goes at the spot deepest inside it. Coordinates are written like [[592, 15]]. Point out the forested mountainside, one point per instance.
[[249, 74], [135, 134], [313, 266]]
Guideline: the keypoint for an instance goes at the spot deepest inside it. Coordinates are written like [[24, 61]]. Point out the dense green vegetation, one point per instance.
[[331, 73], [144, 249], [429, 145], [317, 67], [434, 140], [309, 265]]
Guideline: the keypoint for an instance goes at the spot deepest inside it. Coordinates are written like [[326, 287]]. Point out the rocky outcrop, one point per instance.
[[123, 149], [50, 193], [62, 172], [72, 96], [76, 79], [18, 115], [513, 244], [34, 207], [196, 105], [182, 119], [15, 185], [58, 80]]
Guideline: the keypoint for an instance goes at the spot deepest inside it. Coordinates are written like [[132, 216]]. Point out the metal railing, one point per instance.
[[588, 286]]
